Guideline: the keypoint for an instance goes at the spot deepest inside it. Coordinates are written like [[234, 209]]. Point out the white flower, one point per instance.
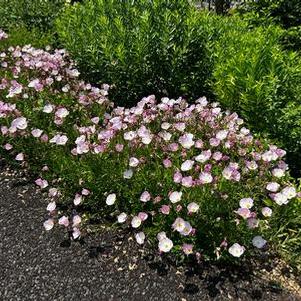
[[236, 250], [166, 136], [77, 200], [258, 242], [161, 235], [175, 196], [59, 139], [246, 203], [122, 217], [129, 135], [62, 113], [165, 245], [280, 198], [128, 174], [136, 222], [140, 237], [266, 211], [111, 198], [19, 123], [75, 233], [193, 207], [221, 135], [203, 156], [186, 140], [165, 125], [278, 172], [187, 165], [36, 133], [289, 191], [48, 108], [51, 206], [48, 225], [179, 224], [134, 162], [187, 229], [20, 157], [272, 186]]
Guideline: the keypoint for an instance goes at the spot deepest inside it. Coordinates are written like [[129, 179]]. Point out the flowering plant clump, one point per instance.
[[188, 178]]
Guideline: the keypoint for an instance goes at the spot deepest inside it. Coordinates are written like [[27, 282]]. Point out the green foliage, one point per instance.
[[29, 13], [285, 13], [141, 47], [22, 36], [260, 81]]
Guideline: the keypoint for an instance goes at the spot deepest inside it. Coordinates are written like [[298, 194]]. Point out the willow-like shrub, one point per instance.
[[186, 177]]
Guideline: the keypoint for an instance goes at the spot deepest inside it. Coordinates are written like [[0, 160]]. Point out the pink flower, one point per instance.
[[187, 249], [48, 224], [177, 177], [8, 146], [64, 221], [199, 144], [173, 147], [179, 224], [36, 133], [119, 147], [186, 140], [252, 223], [61, 113], [187, 181], [19, 123], [76, 220], [76, 233], [258, 242], [203, 156], [165, 209], [145, 197], [143, 216], [205, 178], [272, 186], [42, 183], [134, 162], [111, 198], [167, 163], [244, 212], [59, 139]]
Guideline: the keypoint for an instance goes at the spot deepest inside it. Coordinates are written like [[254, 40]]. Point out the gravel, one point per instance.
[[40, 265]]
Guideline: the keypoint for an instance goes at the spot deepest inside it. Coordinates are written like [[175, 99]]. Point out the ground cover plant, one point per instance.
[[189, 178]]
